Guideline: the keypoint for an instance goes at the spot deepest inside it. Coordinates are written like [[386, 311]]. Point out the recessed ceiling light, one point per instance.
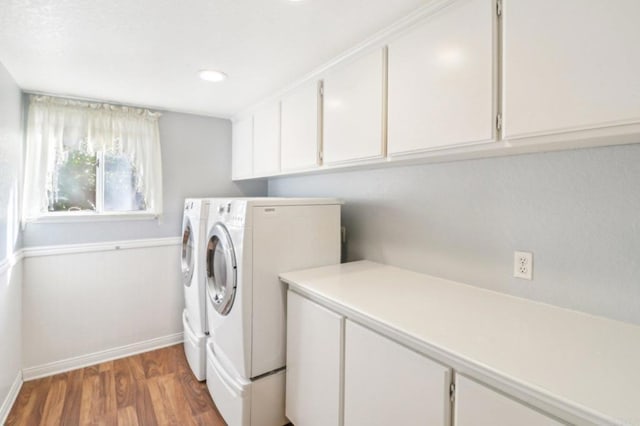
[[212, 75]]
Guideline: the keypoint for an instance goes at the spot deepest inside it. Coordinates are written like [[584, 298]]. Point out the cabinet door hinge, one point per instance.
[[321, 90], [499, 7], [320, 156], [499, 122], [452, 391]]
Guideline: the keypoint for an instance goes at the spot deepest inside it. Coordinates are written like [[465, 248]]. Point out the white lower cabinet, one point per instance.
[[477, 405], [341, 373], [314, 363], [387, 384]]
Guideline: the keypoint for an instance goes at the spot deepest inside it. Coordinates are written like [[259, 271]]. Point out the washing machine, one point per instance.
[[194, 319], [249, 243]]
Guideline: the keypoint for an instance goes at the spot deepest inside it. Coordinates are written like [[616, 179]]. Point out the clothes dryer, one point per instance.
[[194, 318], [249, 243]]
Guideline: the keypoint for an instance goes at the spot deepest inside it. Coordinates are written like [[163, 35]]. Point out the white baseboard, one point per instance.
[[97, 357], [5, 408]]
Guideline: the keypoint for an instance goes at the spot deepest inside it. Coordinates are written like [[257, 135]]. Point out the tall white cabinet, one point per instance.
[[300, 125], [570, 65], [442, 77], [354, 106]]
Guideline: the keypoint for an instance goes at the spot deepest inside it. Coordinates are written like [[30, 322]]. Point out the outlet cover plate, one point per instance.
[[523, 265]]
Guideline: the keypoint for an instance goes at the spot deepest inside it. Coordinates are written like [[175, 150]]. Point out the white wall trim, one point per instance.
[[102, 246], [8, 402], [102, 356], [10, 261]]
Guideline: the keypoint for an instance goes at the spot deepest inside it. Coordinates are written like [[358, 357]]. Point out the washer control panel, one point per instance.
[[232, 213]]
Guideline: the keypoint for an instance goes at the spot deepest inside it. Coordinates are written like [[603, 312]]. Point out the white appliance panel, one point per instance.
[[285, 238], [243, 402], [194, 294], [194, 349], [232, 332], [194, 317]]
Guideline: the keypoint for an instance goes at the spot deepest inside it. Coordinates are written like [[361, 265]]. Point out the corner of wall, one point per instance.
[[11, 332]]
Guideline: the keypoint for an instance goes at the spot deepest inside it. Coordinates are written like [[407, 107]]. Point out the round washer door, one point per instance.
[[221, 269], [187, 257]]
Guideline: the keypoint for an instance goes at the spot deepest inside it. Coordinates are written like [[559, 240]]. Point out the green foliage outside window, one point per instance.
[[75, 183]]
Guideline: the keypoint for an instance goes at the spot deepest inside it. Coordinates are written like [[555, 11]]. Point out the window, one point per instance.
[[99, 182], [87, 159]]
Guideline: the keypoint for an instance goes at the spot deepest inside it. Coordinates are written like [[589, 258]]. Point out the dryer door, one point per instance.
[[187, 257], [221, 269]]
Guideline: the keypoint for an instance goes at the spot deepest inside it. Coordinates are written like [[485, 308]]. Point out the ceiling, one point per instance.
[[148, 52]]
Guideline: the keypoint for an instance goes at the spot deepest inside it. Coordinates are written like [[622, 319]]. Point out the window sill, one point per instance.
[[66, 217]]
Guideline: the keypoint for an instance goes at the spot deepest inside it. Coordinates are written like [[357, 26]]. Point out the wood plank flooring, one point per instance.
[[154, 388]]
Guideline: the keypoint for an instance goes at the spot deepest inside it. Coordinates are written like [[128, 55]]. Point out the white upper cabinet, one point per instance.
[[477, 405], [353, 110], [388, 384], [266, 140], [570, 66], [241, 148], [299, 141], [442, 78]]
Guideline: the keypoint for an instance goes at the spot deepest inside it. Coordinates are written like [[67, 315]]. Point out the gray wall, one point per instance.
[[196, 157], [577, 211], [10, 162]]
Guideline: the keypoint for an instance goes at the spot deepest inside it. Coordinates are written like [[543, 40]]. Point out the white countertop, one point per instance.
[[587, 363]]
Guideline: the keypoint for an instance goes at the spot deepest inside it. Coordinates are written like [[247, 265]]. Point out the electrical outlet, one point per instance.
[[523, 265]]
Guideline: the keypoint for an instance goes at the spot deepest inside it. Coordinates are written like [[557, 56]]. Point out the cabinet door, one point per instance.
[[570, 65], [242, 147], [300, 129], [477, 405], [266, 140], [388, 384], [314, 371], [353, 110], [442, 80]]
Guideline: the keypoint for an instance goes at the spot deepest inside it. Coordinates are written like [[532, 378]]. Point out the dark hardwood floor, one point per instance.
[[154, 388]]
